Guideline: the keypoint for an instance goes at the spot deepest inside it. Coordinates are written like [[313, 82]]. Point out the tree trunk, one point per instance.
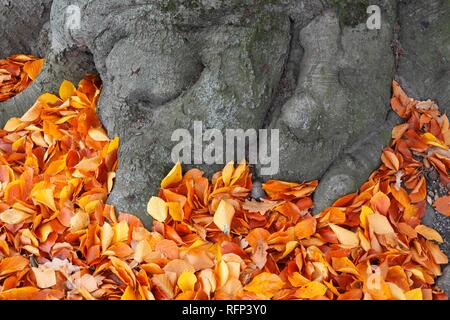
[[312, 69]]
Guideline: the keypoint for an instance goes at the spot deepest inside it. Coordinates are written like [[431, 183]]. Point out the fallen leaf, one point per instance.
[[428, 233], [442, 205], [345, 237], [311, 290], [186, 281], [265, 284], [174, 176], [223, 216], [157, 208], [45, 277]]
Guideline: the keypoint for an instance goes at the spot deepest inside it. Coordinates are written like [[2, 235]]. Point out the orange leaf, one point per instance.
[[173, 177], [265, 284], [380, 202], [12, 264], [429, 233], [33, 68], [305, 228], [442, 205]]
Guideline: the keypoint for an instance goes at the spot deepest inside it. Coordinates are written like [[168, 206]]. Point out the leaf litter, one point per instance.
[[16, 74], [210, 240]]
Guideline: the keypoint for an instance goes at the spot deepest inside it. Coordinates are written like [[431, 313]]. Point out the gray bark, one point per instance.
[[311, 69]]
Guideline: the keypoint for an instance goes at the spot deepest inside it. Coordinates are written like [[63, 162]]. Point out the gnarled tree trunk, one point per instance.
[[309, 68]]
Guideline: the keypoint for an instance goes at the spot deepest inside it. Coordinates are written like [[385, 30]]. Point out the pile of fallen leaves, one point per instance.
[[16, 74], [59, 240]]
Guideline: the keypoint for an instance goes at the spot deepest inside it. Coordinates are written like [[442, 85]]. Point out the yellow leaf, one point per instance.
[[365, 212], [66, 90], [173, 177], [44, 231], [157, 208], [45, 196], [432, 140], [265, 284], [18, 144], [48, 98], [175, 211], [186, 281], [223, 216], [289, 247], [344, 264], [227, 173], [121, 230], [365, 244], [113, 145], [106, 236], [345, 237], [415, 294], [222, 273], [129, 294], [311, 290], [238, 171], [396, 291], [56, 166]]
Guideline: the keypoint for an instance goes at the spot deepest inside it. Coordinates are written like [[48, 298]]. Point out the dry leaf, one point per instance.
[[223, 216], [157, 208], [345, 237]]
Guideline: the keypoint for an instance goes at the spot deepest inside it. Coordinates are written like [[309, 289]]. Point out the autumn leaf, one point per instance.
[[45, 277], [12, 264], [57, 233], [261, 207], [33, 68], [173, 177], [380, 224], [223, 216], [305, 228], [312, 290], [442, 205], [380, 202], [428, 233], [157, 208], [186, 281], [13, 216], [345, 237], [265, 284], [66, 90]]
